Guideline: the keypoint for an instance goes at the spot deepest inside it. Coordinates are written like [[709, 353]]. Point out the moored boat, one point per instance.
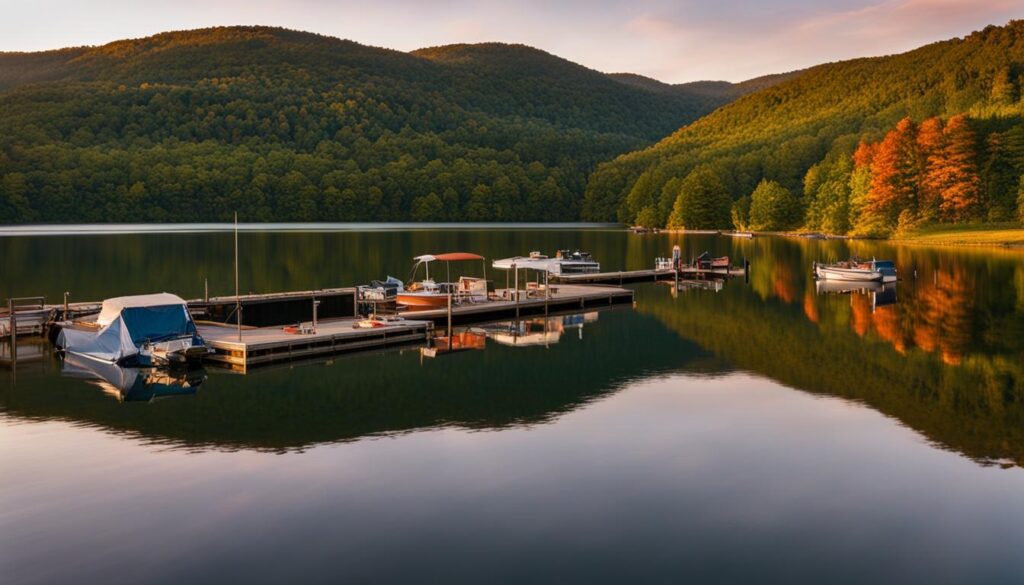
[[430, 294], [143, 330], [706, 262], [564, 262], [855, 270]]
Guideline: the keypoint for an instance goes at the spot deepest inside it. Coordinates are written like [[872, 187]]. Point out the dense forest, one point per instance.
[[285, 125], [869, 146]]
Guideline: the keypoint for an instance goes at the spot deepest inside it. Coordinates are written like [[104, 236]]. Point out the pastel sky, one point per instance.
[[675, 41]]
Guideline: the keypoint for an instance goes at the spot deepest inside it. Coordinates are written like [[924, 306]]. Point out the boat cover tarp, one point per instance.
[[112, 307], [120, 336]]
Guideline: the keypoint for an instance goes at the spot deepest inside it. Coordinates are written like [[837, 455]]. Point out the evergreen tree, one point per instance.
[[703, 202], [773, 207], [999, 180]]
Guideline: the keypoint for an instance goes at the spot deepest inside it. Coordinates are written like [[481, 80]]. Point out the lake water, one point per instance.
[[764, 431]]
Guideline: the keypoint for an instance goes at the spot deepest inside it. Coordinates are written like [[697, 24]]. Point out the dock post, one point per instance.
[[315, 303], [746, 270], [238, 299], [12, 322], [449, 321], [516, 268], [66, 295], [547, 296], [206, 290]]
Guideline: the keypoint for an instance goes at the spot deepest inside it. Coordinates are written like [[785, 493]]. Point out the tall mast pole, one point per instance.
[[238, 299]]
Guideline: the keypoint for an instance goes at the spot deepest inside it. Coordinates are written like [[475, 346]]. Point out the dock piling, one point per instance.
[[449, 320], [13, 324], [316, 303]]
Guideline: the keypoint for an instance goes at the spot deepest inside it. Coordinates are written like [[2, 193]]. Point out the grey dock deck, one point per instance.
[[648, 275], [564, 297], [264, 345]]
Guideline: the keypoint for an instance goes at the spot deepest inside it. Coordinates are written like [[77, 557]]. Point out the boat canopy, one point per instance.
[[112, 307], [449, 257], [539, 264]]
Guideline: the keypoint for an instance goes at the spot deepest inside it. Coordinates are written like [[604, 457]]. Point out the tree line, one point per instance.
[[289, 126]]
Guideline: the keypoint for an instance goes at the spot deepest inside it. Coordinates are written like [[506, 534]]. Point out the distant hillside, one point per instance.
[[801, 134], [288, 125], [716, 91]]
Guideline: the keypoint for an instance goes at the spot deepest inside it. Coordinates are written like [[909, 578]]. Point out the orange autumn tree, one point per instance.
[[956, 173], [896, 172], [932, 143]]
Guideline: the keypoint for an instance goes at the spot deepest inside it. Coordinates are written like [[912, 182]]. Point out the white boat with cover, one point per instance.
[[141, 330], [564, 262]]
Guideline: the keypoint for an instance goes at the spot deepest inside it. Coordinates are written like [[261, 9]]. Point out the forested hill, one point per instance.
[[715, 90], [286, 125], [864, 146]]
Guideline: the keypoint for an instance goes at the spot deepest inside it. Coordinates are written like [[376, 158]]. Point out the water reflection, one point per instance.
[[942, 351], [390, 392], [134, 384], [539, 331]]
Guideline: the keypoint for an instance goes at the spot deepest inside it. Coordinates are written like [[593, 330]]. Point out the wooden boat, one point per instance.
[[856, 270], [429, 294], [706, 262]]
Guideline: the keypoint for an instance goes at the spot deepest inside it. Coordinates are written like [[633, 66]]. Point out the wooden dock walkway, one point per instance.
[[264, 345], [648, 275]]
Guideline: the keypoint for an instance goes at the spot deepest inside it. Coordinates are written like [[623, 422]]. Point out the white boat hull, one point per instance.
[[847, 274]]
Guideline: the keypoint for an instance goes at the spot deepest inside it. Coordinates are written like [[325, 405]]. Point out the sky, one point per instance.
[[674, 41]]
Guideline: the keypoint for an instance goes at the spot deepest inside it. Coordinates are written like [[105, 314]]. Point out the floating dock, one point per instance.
[[264, 345], [262, 338], [648, 275]]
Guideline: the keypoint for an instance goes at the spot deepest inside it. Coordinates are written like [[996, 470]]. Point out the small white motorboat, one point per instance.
[[855, 270]]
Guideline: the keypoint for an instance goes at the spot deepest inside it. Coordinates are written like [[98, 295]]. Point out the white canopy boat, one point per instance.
[[564, 262]]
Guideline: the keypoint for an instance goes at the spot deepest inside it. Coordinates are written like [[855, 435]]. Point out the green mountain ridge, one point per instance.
[[288, 125], [710, 89], [779, 132]]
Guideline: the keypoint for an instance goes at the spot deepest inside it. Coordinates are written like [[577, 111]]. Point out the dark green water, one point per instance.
[[764, 432]]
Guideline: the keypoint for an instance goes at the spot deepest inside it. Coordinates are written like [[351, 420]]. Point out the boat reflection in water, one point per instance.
[[134, 384], [464, 340], [691, 284], [538, 331], [880, 294]]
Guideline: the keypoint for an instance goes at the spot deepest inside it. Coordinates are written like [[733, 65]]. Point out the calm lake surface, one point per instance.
[[764, 431]]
